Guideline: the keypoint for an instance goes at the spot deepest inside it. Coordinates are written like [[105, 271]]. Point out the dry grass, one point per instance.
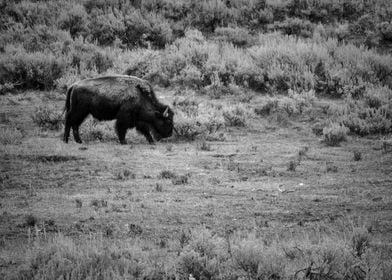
[[136, 210]]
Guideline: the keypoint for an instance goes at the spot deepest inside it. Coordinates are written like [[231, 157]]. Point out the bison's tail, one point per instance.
[[68, 100]]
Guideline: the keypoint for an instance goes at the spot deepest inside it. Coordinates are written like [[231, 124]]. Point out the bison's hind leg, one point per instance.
[[74, 120], [67, 129]]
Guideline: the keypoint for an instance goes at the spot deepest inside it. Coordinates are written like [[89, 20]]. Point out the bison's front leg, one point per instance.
[[144, 129], [121, 130]]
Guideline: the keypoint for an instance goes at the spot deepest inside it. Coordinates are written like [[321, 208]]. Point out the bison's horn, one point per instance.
[[166, 113]]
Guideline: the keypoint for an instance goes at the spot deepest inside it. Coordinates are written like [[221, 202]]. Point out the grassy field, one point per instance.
[[280, 168], [274, 180]]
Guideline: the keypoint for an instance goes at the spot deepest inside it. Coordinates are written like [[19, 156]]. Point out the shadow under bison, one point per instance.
[[129, 100]]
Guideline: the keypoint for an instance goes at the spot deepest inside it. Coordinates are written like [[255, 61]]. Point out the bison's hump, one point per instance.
[[122, 86]]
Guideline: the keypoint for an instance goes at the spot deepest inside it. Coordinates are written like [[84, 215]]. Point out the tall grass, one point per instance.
[[205, 255]]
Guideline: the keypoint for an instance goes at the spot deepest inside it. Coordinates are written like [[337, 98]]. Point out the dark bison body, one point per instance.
[[129, 100]]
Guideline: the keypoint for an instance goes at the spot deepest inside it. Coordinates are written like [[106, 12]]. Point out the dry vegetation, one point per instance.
[[280, 169]]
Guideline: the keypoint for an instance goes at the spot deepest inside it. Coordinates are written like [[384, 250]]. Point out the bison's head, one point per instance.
[[163, 125]]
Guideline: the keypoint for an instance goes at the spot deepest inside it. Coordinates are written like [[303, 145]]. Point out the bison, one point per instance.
[[129, 100]]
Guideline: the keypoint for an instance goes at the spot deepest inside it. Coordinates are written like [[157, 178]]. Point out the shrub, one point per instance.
[[258, 261], [269, 106], [386, 30], [236, 116], [293, 104], [75, 20], [363, 117], [187, 128], [7, 88], [335, 133], [189, 106], [10, 136], [363, 25], [190, 127], [191, 263], [376, 97], [207, 15], [87, 56], [37, 38], [93, 130], [204, 257], [238, 36], [71, 76], [143, 29], [30, 70], [63, 258], [48, 117], [296, 26], [107, 28]]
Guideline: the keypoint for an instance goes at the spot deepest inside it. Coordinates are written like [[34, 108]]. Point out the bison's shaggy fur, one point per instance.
[[129, 100]]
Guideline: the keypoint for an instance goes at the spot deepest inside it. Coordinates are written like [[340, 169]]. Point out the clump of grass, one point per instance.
[[360, 241], [167, 174], [293, 164], [158, 187], [331, 167], [124, 174], [48, 117], [99, 203], [31, 220], [169, 148], [78, 203], [302, 152], [357, 155], [180, 179], [233, 165], [204, 146], [10, 136], [135, 229], [334, 134]]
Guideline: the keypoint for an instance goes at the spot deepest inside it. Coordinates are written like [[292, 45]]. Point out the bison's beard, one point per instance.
[[157, 136]]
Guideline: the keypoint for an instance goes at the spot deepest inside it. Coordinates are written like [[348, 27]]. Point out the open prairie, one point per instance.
[[274, 179], [280, 166]]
